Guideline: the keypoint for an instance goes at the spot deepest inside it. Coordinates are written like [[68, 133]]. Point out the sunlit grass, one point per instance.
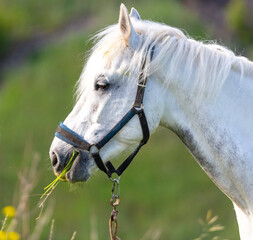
[[210, 227]]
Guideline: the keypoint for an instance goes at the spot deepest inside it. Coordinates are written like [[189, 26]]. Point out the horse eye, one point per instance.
[[102, 83], [101, 86]]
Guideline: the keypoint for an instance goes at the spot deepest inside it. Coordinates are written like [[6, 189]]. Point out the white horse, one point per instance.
[[202, 92]]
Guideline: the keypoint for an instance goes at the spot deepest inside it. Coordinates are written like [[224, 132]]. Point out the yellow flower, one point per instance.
[[3, 235], [13, 236], [9, 211]]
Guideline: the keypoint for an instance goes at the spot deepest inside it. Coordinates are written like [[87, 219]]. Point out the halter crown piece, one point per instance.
[[72, 138]]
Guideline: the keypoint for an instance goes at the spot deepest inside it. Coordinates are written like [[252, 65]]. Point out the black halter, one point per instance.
[[71, 137]]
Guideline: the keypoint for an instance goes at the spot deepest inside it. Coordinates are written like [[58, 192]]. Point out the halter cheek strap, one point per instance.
[[72, 138]]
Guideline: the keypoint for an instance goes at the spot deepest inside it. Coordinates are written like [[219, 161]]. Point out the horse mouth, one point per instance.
[[62, 178], [77, 169]]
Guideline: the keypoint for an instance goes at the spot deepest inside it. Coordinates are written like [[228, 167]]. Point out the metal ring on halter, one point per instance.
[[115, 180], [94, 149], [138, 109]]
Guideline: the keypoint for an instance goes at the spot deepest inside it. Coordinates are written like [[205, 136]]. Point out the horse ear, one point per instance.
[[126, 28], [134, 14]]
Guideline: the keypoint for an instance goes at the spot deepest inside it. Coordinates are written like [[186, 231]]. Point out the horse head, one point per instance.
[[106, 92]]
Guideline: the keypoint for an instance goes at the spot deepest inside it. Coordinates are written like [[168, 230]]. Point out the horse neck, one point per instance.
[[218, 133]]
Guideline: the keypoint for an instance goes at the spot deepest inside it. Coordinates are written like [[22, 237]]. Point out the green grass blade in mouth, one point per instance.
[[65, 170]]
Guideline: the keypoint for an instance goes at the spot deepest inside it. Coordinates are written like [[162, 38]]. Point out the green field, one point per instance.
[[168, 195]]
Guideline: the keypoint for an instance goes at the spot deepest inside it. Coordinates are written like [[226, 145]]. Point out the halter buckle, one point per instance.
[[141, 85]]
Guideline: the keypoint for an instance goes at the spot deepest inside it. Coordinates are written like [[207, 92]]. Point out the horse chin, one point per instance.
[[79, 171], [72, 177]]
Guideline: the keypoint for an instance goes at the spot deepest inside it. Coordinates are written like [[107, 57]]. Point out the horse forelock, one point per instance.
[[204, 66]]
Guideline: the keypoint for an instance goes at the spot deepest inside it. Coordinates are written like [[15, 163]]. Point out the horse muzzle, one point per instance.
[[79, 171]]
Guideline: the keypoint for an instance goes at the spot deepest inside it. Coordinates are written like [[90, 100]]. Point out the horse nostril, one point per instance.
[[54, 159], [57, 162]]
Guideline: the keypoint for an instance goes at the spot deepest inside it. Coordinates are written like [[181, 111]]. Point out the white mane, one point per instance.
[[204, 67]]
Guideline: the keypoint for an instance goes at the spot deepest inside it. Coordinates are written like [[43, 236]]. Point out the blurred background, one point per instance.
[[43, 46]]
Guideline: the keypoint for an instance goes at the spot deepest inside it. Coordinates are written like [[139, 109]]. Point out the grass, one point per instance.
[[20, 20], [169, 195], [61, 176], [210, 227], [18, 222]]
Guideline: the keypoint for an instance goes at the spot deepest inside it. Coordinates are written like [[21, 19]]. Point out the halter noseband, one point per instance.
[[72, 138]]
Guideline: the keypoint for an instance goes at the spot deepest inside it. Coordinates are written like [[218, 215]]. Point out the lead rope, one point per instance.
[[113, 221]]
